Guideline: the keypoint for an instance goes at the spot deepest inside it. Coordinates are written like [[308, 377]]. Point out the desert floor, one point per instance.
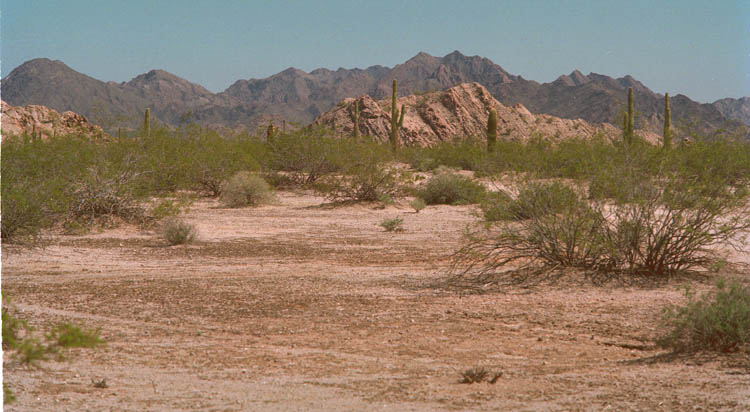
[[303, 306]]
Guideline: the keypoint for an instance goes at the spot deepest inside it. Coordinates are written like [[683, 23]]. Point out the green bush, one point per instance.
[[464, 154], [664, 228], [8, 395], [450, 188], [719, 320], [246, 189], [178, 232], [535, 199], [12, 328], [417, 204], [366, 178], [68, 335], [395, 224], [104, 194], [305, 155]]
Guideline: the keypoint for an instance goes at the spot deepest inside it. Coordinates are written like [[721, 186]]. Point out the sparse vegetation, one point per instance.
[[246, 189], [395, 224], [68, 335], [717, 321], [178, 232], [417, 204], [27, 348], [478, 375], [654, 218], [450, 189], [8, 395]]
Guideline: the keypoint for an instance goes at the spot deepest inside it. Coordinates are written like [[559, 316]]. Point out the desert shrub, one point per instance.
[[214, 158], [178, 232], [12, 328], [570, 237], [664, 228], [464, 154], [30, 351], [68, 335], [718, 320], [417, 204], [534, 199], [395, 224], [305, 155], [363, 181], [36, 182], [245, 189], [8, 395], [672, 226], [478, 375], [496, 206], [104, 194], [450, 188]]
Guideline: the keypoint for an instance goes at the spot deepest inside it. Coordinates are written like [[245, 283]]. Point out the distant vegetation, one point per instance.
[[593, 204]]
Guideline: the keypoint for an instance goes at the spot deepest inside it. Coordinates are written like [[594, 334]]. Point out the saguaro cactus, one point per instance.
[[492, 130], [630, 123], [270, 132], [147, 123], [667, 124], [356, 119], [396, 120]]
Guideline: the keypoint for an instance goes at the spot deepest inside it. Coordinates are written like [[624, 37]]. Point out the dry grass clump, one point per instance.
[[178, 232]]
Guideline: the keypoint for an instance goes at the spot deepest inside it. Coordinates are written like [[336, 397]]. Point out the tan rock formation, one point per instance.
[[19, 120], [456, 113]]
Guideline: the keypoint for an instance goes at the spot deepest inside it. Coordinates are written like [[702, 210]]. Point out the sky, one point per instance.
[[697, 48]]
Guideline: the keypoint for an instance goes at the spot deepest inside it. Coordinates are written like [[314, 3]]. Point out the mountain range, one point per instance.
[[296, 96]]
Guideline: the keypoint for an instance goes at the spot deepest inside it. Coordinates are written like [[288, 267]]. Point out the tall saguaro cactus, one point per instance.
[[667, 124], [356, 119], [147, 123], [492, 131], [630, 120], [396, 120]]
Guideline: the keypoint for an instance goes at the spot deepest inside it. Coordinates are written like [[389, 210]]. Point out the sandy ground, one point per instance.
[[301, 306]]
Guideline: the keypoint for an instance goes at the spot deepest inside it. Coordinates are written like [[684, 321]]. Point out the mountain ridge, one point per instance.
[[298, 96]]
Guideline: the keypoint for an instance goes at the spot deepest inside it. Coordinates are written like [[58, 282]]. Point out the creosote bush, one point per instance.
[[717, 321], [662, 227], [535, 199], [395, 224], [68, 335], [178, 232], [246, 189], [478, 375], [19, 338], [366, 177], [451, 189], [417, 204]]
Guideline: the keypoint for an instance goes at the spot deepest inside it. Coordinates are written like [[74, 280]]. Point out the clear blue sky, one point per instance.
[[698, 48]]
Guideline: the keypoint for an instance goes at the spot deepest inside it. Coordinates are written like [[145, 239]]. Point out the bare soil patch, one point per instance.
[[295, 306]]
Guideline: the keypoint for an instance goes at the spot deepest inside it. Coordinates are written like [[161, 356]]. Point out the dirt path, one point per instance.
[[298, 306]]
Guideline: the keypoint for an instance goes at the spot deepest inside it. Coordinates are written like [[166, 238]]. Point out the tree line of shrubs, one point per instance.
[[590, 204]]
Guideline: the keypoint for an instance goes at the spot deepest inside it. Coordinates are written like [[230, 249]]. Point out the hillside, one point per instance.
[[458, 112], [298, 96]]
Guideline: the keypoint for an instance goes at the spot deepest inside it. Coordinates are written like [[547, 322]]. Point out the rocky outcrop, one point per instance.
[[41, 119], [456, 113], [735, 109]]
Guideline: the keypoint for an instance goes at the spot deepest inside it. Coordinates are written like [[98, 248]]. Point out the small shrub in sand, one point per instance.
[[246, 189], [392, 225], [719, 320], [417, 204], [450, 189], [178, 232]]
